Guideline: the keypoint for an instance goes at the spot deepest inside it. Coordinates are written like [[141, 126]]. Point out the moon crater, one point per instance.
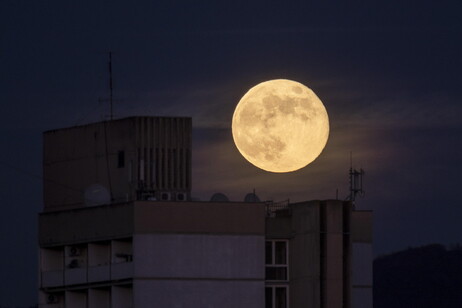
[[280, 126]]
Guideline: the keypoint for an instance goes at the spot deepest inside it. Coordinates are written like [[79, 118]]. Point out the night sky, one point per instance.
[[389, 76]]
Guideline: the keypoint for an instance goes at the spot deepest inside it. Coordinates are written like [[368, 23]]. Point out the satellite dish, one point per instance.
[[96, 194], [251, 197], [219, 197]]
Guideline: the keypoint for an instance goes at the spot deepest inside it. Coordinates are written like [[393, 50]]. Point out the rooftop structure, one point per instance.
[[137, 158]]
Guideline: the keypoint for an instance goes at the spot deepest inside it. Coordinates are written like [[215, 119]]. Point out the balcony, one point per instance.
[[58, 305], [75, 276], [122, 270], [274, 209], [86, 263], [99, 273], [52, 279], [85, 275]]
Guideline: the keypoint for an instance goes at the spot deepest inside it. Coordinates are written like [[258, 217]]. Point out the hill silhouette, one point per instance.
[[423, 277]]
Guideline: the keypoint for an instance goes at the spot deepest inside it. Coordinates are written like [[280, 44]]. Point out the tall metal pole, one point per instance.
[[110, 84]]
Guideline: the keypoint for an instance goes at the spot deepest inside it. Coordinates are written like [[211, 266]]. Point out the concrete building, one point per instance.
[[119, 230], [318, 254], [137, 158], [153, 254]]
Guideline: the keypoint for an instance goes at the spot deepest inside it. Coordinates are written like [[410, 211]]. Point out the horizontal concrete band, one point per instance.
[[122, 220], [130, 281], [194, 293], [199, 217], [79, 287], [86, 240], [199, 279]]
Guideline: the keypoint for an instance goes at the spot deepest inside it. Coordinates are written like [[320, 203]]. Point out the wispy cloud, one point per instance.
[[362, 122]]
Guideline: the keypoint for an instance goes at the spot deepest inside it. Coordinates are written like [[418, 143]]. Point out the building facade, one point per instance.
[[118, 229], [136, 158], [318, 254], [153, 254]]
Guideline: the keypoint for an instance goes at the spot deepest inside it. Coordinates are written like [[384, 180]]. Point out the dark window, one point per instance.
[[121, 159], [269, 252], [276, 273], [268, 297], [276, 260], [280, 253], [281, 298], [276, 296]]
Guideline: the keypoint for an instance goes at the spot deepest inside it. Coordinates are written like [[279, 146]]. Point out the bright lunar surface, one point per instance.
[[280, 125]]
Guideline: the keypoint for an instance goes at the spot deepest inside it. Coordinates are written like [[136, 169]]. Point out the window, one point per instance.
[[276, 296], [277, 273], [121, 159], [276, 260]]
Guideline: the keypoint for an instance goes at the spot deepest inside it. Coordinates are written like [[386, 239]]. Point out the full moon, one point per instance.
[[280, 125]]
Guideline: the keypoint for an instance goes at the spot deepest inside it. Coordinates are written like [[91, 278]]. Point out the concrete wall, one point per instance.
[[85, 224], [199, 256], [362, 258], [76, 299], [75, 158], [279, 227], [200, 217], [361, 226], [122, 297], [332, 277], [304, 256], [210, 251], [362, 264], [122, 220], [51, 259], [362, 297], [362, 275], [218, 245], [320, 251], [198, 293], [156, 158], [99, 298], [99, 253]]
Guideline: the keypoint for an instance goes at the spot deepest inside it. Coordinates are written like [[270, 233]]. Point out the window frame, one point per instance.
[[273, 258], [273, 288]]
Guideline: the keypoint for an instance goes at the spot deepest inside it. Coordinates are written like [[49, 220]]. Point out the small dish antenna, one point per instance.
[[96, 194], [251, 197], [219, 197]]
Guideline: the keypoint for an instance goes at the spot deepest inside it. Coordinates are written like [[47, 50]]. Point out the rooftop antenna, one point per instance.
[[110, 84], [111, 117], [356, 182], [111, 113]]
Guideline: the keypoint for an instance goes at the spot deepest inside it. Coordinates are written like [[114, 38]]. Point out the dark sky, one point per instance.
[[389, 75]]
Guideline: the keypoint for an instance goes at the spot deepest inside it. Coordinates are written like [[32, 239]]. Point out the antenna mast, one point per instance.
[[110, 85], [356, 181]]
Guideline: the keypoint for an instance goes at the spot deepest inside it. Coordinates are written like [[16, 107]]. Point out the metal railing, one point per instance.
[[273, 207]]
